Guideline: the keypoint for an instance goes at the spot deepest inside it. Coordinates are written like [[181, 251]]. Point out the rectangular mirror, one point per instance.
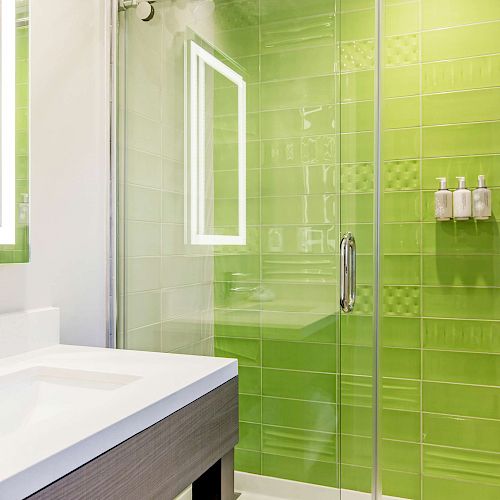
[[14, 131]]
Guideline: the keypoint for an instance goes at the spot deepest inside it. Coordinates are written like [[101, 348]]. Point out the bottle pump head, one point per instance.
[[461, 182], [442, 183], [481, 181]]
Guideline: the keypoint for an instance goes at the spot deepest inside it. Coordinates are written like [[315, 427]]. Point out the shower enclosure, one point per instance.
[[276, 176]]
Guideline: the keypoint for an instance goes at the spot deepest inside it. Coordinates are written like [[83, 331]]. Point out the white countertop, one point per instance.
[[112, 395]]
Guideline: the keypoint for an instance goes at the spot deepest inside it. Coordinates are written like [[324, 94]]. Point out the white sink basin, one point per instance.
[[32, 395]]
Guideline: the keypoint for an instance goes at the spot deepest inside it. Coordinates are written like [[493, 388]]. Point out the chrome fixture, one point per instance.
[[144, 9], [347, 273]]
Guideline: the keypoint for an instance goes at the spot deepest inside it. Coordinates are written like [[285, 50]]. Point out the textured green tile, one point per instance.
[[295, 469], [400, 332], [443, 13], [401, 484], [249, 380], [247, 461], [356, 390], [478, 467], [461, 107], [456, 399], [246, 351], [356, 360], [299, 385], [401, 301], [401, 112], [250, 407], [400, 456], [438, 488], [401, 363], [299, 414], [299, 356], [250, 436], [459, 367], [464, 41], [401, 394], [456, 270], [461, 335], [309, 445], [462, 432], [357, 178], [401, 270], [480, 303]]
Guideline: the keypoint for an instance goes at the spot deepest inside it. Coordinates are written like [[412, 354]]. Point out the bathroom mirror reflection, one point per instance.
[[14, 131]]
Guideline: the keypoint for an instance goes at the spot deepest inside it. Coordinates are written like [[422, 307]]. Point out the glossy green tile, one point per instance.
[[249, 380], [238, 42], [299, 414], [461, 107], [356, 208], [356, 450], [400, 332], [467, 303], [247, 461], [357, 178], [296, 469], [400, 18], [357, 25], [401, 301], [462, 368], [357, 116], [356, 360], [401, 112], [307, 209], [401, 484], [245, 350], [356, 330], [462, 432], [401, 143], [400, 456], [401, 206], [401, 81], [356, 420], [236, 14], [461, 335], [357, 147], [402, 238], [250, 436], [356, 478], [299, 356], [400, 425], [309, 445], [299, 385], [455, 12], [357, 86], [474, 466], [460, 42], [401, 270], [438, 488], [456, 399], [401, 363], [399, 394], [250, 407], [356, 390]]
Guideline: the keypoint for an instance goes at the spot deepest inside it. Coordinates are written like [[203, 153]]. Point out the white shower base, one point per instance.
[[254, 487]]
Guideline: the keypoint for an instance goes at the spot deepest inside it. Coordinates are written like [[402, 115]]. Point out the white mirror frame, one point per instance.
[[199, 58], [8, 122]]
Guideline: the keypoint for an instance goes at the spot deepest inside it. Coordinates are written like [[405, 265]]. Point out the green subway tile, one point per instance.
[[298, 443], [474, 466], [462, 368], [275, 10], [296, 93], [401, 112], [401, 143], [357, 86], [401, 363], [356, 420], [401, 394], [356, 450], [400, 425], [401, 270], [461, 107], [469, 167], [468, 303], [439, 488], [245, 350], [356, 330], [357, 25], [356, 360], [247, 461], [461, 74], [250, 436], [249, 380], [239, 42], [356, 478], [456, 270], [462, 432], [460, 42], [400, 18], [357, 147], [456, 399], [357, 208], [455, 12], [296, 469], [250, 408], [461, 335], [400, 332], [401, 238], [299, 414], [357, 117], [401, 206], [289, 64], [401, 81], [299, 356], [299, 385], [298, 326], [401, 484], [400, 456], [356, 390]]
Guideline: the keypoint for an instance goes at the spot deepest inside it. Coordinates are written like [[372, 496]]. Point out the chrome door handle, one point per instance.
[[348, 273]]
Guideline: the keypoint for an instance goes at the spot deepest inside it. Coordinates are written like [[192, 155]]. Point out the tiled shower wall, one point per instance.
[[441, 302]]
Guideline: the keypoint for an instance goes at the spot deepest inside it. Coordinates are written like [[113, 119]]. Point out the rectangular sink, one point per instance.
[[34, 394]]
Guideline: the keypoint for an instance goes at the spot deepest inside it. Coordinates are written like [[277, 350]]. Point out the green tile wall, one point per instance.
[[440, 417], [19, 252]]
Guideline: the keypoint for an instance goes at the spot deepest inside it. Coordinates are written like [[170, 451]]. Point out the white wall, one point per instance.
[[69, 171]]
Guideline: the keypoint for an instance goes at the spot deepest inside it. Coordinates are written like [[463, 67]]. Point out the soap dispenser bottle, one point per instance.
[[481, 200], [462, 209], [443, 201]]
